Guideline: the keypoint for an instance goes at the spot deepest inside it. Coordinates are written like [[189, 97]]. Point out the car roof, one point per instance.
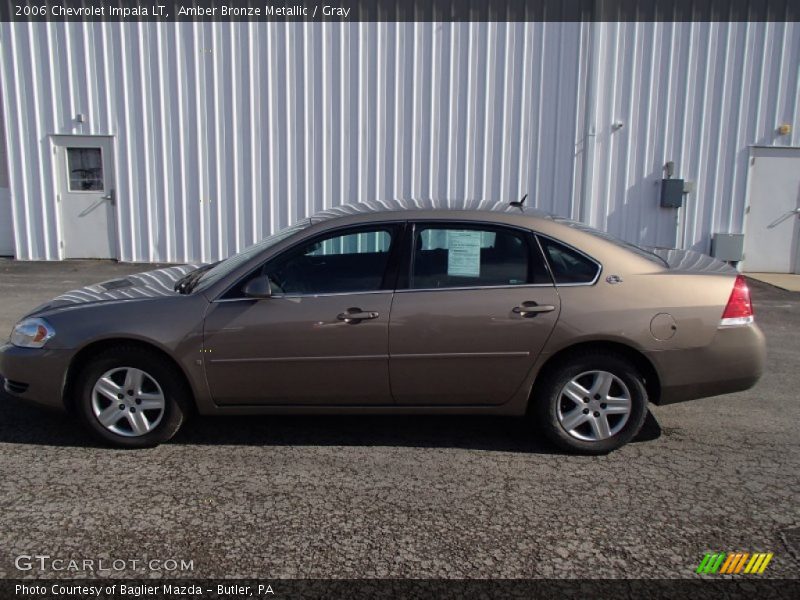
[[430, 205]]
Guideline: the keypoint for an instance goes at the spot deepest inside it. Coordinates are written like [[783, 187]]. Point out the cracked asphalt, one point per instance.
[[407, 497]]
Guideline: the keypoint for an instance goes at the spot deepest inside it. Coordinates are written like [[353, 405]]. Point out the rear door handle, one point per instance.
[[356, 315], [531, 309]]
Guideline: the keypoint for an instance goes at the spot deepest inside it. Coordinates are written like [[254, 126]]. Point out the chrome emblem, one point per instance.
[[612, 279]]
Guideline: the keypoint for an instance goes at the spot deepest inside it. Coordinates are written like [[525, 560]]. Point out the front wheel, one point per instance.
[[591, 404], [129, 398]]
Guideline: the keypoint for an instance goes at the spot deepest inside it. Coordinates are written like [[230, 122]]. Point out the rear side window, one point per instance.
[[458, 256], [568, 265]]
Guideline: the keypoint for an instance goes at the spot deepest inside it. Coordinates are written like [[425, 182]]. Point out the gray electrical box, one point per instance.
[[728, 246], [671, 193]]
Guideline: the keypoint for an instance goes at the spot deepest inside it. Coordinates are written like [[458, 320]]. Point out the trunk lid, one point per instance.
[[693, 262]]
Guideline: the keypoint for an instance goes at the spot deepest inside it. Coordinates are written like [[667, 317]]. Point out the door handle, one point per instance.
[[531, 309], [356, 315], [783, 217]]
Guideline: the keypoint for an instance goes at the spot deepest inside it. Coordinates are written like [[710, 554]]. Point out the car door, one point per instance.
[[478, 307], [322, 338]]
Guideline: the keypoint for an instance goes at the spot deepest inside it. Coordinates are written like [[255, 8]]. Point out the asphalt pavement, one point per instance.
[[403, 497]]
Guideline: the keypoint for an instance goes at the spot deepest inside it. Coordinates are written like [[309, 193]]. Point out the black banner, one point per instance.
[[236, 589], [399, 10]]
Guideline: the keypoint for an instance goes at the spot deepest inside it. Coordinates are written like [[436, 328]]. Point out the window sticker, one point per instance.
[[464, 253]]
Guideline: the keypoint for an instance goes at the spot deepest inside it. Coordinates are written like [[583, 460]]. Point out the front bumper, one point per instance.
[[35, 374], [734, 361]]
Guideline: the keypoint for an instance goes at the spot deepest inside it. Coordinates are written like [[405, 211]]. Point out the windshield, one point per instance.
[[230, 264], [613, 239]]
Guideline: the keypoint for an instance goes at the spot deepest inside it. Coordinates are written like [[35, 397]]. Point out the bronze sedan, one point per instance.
[[400, 307]]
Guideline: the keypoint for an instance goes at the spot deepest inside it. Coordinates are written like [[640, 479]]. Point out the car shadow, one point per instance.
[[23, 423]]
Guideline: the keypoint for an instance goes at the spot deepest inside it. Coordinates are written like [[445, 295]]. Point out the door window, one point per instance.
[[85, 169], [354, 261], [568, 265], [446, 257]]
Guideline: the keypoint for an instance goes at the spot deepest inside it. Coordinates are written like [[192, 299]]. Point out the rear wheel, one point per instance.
[[591, 403], [130, 398]]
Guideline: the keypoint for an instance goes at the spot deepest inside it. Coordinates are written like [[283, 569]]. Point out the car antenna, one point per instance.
[[518, 203]]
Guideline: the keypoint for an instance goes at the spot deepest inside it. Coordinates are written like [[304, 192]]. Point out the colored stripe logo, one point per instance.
[[732, 563]]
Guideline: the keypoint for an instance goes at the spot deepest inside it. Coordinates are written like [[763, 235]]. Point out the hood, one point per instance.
[[150, 284], [691, 261]]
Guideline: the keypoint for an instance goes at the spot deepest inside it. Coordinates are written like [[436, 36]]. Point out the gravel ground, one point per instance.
[[419, 497]]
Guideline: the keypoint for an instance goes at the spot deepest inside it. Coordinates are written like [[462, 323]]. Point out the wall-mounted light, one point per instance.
[[617, 125], [80, 118], [784, 129]]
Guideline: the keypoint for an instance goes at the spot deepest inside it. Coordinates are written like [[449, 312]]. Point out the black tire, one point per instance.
[[168, 420], [548, 397]]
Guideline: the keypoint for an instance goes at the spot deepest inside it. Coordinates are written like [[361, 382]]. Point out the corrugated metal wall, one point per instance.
[[226, 132], [698, 94], [6, 228]]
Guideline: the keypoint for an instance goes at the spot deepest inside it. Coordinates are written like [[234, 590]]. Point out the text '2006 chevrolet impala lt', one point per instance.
[[399, 307]]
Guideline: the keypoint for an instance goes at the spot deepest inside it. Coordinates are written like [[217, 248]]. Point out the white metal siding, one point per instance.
[[698, 94], [6, 226], [226, 132]]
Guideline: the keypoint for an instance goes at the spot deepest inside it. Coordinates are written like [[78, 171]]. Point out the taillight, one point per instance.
[[739, 310]]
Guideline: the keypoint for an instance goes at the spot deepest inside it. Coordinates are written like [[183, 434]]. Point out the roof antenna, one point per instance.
[[518, 203]]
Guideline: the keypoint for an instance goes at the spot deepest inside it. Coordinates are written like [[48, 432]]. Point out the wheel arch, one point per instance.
[[652, 380], [93, 349]]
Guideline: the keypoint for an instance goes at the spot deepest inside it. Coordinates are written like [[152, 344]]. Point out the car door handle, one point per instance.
[[531, 309], [356, 315]]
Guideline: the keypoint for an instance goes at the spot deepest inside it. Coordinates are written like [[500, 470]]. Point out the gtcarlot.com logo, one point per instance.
[[45, 562], [734, 563]]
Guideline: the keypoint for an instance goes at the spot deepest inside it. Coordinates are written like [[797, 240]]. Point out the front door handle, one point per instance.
[[356, 315], [531, 309]]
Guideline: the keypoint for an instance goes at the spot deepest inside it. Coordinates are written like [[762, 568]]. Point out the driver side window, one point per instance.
[[350, 261]]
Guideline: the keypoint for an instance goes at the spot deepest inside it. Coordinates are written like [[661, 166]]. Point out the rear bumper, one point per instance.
[[732, 362], [34, 374]]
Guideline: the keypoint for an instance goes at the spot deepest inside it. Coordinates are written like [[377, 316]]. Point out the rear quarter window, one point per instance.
[[568, 265]]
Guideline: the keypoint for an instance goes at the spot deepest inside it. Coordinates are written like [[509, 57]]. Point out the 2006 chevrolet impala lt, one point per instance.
[[399, 307]]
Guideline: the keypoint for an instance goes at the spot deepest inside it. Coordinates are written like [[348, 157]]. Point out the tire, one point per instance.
[[148, 416], [611, 383]]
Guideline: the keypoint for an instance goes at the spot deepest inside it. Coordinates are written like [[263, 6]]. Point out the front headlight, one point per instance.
[[31, 333]]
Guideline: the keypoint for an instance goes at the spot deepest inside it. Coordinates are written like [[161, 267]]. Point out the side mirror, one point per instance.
[[259, 288]]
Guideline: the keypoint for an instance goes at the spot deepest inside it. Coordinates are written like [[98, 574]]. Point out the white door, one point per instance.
[[772, 226], [86, 196]]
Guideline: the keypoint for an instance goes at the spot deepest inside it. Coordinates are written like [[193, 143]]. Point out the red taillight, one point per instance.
[[739, 310]]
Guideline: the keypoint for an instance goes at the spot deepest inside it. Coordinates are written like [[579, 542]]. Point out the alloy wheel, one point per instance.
[[594, 406], [128, 401]]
